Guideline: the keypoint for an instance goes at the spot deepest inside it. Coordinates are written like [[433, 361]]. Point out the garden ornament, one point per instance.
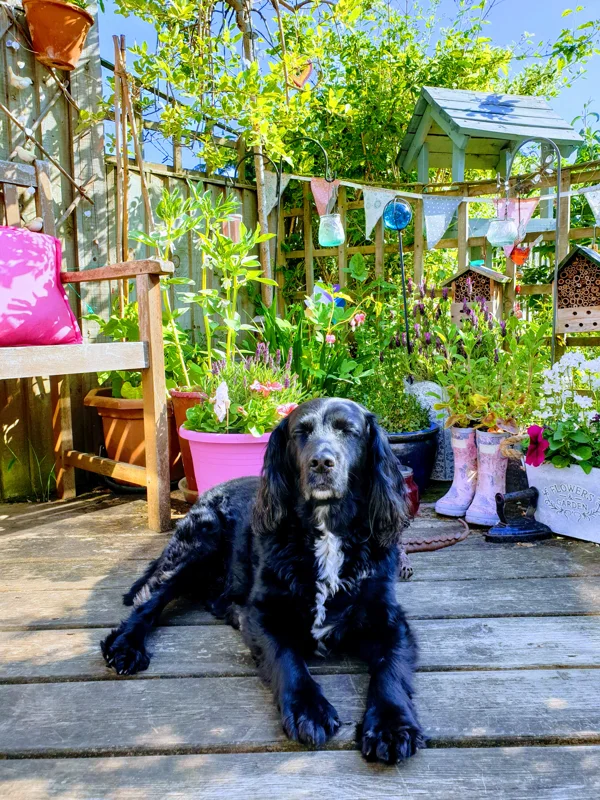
[[522, 528], [396, 217], [491, 478], [460, 495]]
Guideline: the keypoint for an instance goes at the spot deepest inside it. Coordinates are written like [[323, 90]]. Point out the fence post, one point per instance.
[[419, 246], [379, 248], [309, 266], [342, 252]]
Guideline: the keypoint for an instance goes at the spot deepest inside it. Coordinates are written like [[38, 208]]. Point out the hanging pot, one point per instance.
[[58, 31], [331, 231]]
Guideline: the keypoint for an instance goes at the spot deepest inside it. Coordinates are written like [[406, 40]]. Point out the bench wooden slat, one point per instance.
[[207, 714], [118, 470], [17, 174], [125, 269], [71, 359], [218, 650], [436, 774]]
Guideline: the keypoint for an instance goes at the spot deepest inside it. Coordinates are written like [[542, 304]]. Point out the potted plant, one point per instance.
[[563, 451], [491, 373], [118, 399], [246, 399], [410, 432], [58, 30]]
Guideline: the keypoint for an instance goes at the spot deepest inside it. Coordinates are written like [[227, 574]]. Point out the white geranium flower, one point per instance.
[[582, 401], [222, 401]]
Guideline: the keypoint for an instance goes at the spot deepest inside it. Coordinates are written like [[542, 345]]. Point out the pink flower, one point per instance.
[[358, 320], [266, 388], [330, 339], [517, 310], [286, 408], [536, 452]]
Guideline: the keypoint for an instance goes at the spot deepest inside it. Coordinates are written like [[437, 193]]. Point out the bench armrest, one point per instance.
[[126, 269]]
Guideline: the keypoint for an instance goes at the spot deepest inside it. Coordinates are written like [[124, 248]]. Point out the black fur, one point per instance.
[[249, 548]]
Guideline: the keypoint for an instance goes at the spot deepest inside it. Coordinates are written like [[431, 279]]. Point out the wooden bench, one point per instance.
[[60, 361]]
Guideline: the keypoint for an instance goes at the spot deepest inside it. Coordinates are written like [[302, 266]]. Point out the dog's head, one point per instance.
[[324, 451]]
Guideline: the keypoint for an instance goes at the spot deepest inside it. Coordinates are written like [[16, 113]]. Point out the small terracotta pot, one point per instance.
[[123, 426], [181, 402], [58, 31]]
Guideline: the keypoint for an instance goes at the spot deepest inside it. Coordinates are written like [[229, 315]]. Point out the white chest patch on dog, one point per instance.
[[330, 559]]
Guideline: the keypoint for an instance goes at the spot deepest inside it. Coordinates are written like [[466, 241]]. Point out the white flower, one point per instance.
[[222, 401], [582, 401]]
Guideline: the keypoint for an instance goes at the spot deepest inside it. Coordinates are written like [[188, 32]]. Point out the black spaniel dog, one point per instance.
[[303, 559]]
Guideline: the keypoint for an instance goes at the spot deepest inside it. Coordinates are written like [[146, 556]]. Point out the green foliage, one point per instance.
[[397, 410], [568, 407], [248, 396]]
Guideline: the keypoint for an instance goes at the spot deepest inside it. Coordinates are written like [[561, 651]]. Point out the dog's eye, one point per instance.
[[303, 430], [342, 426]]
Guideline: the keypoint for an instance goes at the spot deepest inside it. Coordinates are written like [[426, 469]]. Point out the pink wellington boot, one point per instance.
[[460, 495], [491, 478]]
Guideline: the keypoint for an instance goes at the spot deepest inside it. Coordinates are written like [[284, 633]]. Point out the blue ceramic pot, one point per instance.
[[416, 450]]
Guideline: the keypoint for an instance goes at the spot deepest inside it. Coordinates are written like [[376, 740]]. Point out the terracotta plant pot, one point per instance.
[[58, 31], [220, 457], [181, 402], [123, 426]]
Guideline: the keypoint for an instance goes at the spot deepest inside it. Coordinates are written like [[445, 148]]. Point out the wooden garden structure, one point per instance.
[[579, 291], [484, 283]]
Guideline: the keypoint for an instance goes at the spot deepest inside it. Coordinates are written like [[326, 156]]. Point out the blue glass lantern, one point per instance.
[[331, 231], [397, 215]]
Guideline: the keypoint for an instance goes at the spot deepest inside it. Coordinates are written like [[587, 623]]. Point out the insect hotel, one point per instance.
[[473, 283], [578, 291]]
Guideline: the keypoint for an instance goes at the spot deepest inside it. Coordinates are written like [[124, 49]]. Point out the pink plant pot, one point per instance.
[[220, 457]]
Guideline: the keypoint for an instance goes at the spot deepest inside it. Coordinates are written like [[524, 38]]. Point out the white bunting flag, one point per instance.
[[438, 212], [593, 199], [375, 201], [271, 188]]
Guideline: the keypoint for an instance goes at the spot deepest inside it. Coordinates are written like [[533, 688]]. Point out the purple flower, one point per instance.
[[491, 323], [503, 327], [422, 311], [496, 356], [445, 293], [404, 339], [288, 363], [427, 338], [409, 286], [438, 312], [417, 329], [397, 341], [286, 382], [415, 311], [465, 307], [422, 289], [278, 357], [432, 292]]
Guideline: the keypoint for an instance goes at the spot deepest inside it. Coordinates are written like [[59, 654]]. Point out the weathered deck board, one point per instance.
[[519, 773], [102, 608], [215, 714], [203, 651]]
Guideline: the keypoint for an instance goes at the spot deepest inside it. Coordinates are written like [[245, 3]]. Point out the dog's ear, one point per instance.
[[388, 509], [274, 489]]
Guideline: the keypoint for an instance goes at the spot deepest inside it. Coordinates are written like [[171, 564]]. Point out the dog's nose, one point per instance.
[[322, 463]]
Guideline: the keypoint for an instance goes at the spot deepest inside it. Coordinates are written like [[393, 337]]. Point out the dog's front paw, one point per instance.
[[389, 734], [309, 718], [124, 655]]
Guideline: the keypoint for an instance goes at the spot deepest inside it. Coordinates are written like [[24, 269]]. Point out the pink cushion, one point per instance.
[[34, 309]]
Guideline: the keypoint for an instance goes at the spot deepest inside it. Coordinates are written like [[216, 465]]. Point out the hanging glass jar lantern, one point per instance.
[[503, 231], [331, 231]]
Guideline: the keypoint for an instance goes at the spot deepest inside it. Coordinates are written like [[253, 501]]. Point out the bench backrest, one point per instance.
[[35, 176]]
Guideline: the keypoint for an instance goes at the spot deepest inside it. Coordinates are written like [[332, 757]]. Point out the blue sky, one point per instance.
[[510, 18]]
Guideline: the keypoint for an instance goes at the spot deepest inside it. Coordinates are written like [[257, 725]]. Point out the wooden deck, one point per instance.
[[509, 683]]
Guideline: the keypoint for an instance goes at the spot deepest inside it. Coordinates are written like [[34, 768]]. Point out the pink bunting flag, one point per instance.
[[519, 210], [325, 194]]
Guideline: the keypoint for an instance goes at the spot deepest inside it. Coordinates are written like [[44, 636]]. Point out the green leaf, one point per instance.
[[586, 467], [561, 461], [580, 436], [584, 452]]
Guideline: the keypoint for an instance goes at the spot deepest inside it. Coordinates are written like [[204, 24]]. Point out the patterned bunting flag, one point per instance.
[[325, 194], [593, 199], [438, 213], [519, 210], [271, 188], [375, 201]]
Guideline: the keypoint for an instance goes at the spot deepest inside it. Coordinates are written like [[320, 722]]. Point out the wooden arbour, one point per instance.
[[60, 361]]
